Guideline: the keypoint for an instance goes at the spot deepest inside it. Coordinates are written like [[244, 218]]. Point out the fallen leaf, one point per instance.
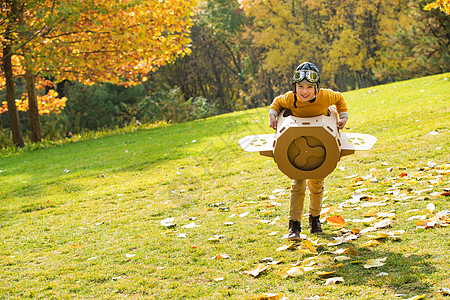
[[310, 261], [216, 237], [286, 247], [341, 258], [379, 235], [334, 280], [336, 266], [295, 271], [270, 296], [168, 222], [421, 217], [190, 225], [425, 224], [257, 270], [336, 221], [337, 241], [431, 207], [417, 297], [221, 256], [374, 263], [368, 229], [356, 262], [218, 279], [340, 251], [307, 247], [444, 291], [352, 251], [325, 273], [383, 224], [370, 243]]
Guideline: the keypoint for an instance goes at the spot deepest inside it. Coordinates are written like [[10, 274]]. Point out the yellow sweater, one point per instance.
[[325, 98]]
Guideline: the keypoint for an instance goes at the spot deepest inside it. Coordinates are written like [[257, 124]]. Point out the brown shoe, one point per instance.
[[314, 223], [295, 228]]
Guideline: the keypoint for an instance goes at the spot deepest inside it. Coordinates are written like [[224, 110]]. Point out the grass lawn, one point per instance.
[[85, 220]]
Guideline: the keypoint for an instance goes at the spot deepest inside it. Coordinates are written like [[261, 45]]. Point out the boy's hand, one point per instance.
[[341, 123], [273, 121]]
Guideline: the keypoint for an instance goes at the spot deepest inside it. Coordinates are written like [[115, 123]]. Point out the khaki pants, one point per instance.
[[298, 190]]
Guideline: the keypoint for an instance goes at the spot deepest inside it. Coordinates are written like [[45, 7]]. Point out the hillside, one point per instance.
[[86, 219]]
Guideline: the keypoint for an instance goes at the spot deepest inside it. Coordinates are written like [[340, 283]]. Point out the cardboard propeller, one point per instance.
[[306, 148]]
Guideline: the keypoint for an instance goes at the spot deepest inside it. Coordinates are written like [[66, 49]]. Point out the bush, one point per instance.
[[169, 105]]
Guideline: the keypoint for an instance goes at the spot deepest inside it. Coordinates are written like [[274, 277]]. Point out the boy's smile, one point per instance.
[[305, 91]]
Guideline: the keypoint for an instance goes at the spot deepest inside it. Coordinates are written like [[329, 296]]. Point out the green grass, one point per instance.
[[70, 214]]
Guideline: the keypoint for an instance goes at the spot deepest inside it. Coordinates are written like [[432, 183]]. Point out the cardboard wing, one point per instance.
[[307, 147]]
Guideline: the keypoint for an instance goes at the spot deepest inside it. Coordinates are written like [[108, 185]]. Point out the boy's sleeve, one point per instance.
[[278, 104], [341, 105]]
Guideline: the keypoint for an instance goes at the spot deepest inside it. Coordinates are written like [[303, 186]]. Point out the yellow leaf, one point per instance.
[[374, 263], [310, 261], [270, 296], [380, 235], [286, 247], [352, 251], [218, 279], [356, 231], [370, 243], [336, 221], [384, 223], [417, 297], [341, 258], [337, 241], [307, 247], [355, 262], [334, 280], [216, 237], [257, 270], [295, 271], [325, 274]]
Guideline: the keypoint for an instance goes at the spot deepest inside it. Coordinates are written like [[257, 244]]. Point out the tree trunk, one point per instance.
[[11, 98], [33, 110]]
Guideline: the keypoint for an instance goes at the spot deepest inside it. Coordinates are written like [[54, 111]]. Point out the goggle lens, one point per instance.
[[311, 76]]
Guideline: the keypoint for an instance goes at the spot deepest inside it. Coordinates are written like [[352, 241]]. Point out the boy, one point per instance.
[[307, 100]]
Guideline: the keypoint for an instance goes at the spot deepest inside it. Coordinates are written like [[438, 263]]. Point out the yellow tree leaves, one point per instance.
[[99, 41], [49, 103], [118, 41], [443, 5]]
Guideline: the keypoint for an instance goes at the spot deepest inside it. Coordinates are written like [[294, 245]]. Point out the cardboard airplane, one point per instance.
[[306, 148]]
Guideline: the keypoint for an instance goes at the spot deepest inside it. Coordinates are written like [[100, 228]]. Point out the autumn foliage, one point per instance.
[[443, 5], [93, 41]]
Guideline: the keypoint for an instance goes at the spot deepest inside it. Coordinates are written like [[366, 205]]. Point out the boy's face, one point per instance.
[[305, 91]]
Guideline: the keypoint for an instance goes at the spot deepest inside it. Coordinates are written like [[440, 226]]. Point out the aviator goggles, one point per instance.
[[311, 76]]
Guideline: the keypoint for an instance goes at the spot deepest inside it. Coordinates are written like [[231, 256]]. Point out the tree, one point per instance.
[[95, 41], [443, 5]]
